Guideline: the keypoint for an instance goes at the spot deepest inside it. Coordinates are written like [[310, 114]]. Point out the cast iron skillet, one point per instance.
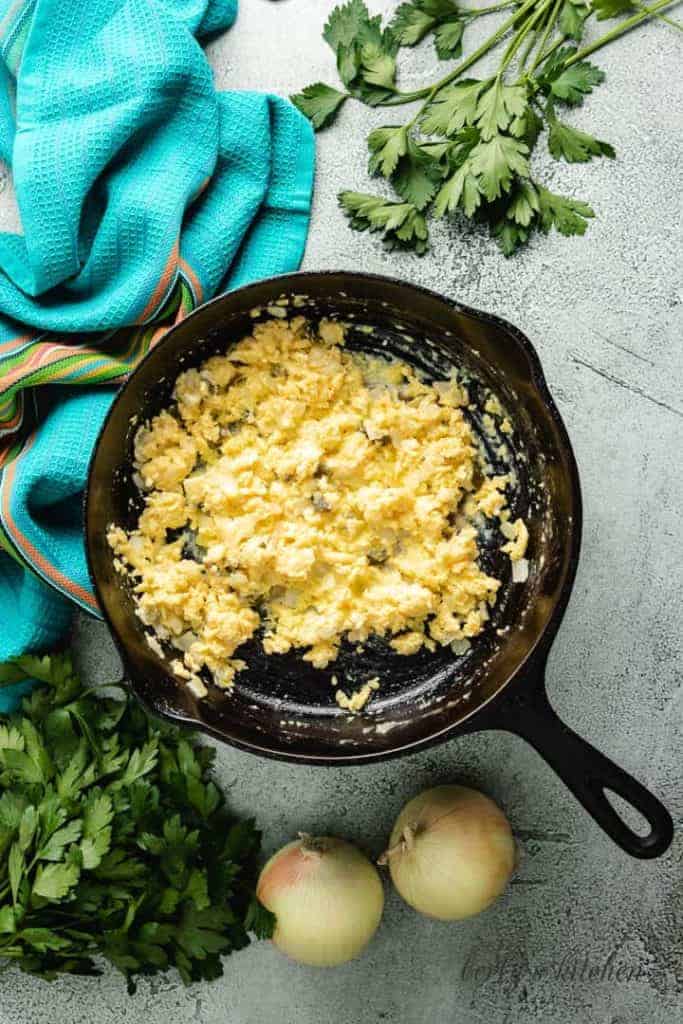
[[283, 708]]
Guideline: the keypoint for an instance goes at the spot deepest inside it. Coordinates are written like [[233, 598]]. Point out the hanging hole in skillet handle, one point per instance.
[[592, 777], [628, 813]]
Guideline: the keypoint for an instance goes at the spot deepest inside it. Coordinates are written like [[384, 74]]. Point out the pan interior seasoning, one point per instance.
[[315, 492]]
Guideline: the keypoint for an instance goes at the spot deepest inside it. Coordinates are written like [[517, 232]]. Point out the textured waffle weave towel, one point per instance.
[[142, 191]]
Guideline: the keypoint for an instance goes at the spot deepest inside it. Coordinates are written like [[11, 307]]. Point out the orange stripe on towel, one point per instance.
[[7, 346], [30, 552], [161, 289], [193, 280]]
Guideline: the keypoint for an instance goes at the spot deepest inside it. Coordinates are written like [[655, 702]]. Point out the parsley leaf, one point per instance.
[[54, 881], [43, 939], [411, 23], [496, 161], [98, 813], [142, 760], [416, 176], [568, 216], [497, 106], [510, 236], [57, 843], [27, 827], [8, 921], [15, 870], [366, 53], [386, 146], [201, 932], [532, 207], [524, 204], [259, 920], [571, 84], [448, 39], [414, 20], [20, 767], [414, 173], [460, 189], [77, 774], [349, 23], [54, 669], [401, 224], [197, 890], [379, 66], [320, 103], [605, 9], [453, 108], [241, 840], [12, 806], [572, 16], [527, 127], [565, 142], [114, 840], [10, 738]]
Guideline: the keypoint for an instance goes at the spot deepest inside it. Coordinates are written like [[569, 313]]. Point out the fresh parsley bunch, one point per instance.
[[468, 148], [114, 840]]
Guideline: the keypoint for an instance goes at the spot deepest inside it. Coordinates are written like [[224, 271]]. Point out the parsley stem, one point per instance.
[[521, 35], [551, 49], [620, 30], [429, 92], [669, 21], [474, 12], [546, 35], [400, 98], [533, 38], [661, 17]]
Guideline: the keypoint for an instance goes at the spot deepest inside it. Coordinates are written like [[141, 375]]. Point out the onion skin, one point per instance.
[[451, 852], [327, 898]]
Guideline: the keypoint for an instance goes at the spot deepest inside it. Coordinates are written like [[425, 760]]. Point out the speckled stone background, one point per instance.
[[585, 934]]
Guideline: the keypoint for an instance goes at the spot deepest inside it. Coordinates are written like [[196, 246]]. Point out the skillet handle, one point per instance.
[[585, 771]]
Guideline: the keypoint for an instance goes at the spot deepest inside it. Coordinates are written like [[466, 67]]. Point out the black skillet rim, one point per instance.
[[543, 641]]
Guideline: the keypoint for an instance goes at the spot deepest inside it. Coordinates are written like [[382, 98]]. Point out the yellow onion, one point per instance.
[[327, 899], [451, 852]]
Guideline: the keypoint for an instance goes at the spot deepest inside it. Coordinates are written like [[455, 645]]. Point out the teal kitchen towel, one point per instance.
[[142, 191]]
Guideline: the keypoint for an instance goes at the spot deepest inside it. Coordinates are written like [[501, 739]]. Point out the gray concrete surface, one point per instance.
[[605, 315]]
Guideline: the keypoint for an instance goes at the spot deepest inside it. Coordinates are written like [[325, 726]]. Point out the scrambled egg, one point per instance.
[[315, 492], [358, 698]]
